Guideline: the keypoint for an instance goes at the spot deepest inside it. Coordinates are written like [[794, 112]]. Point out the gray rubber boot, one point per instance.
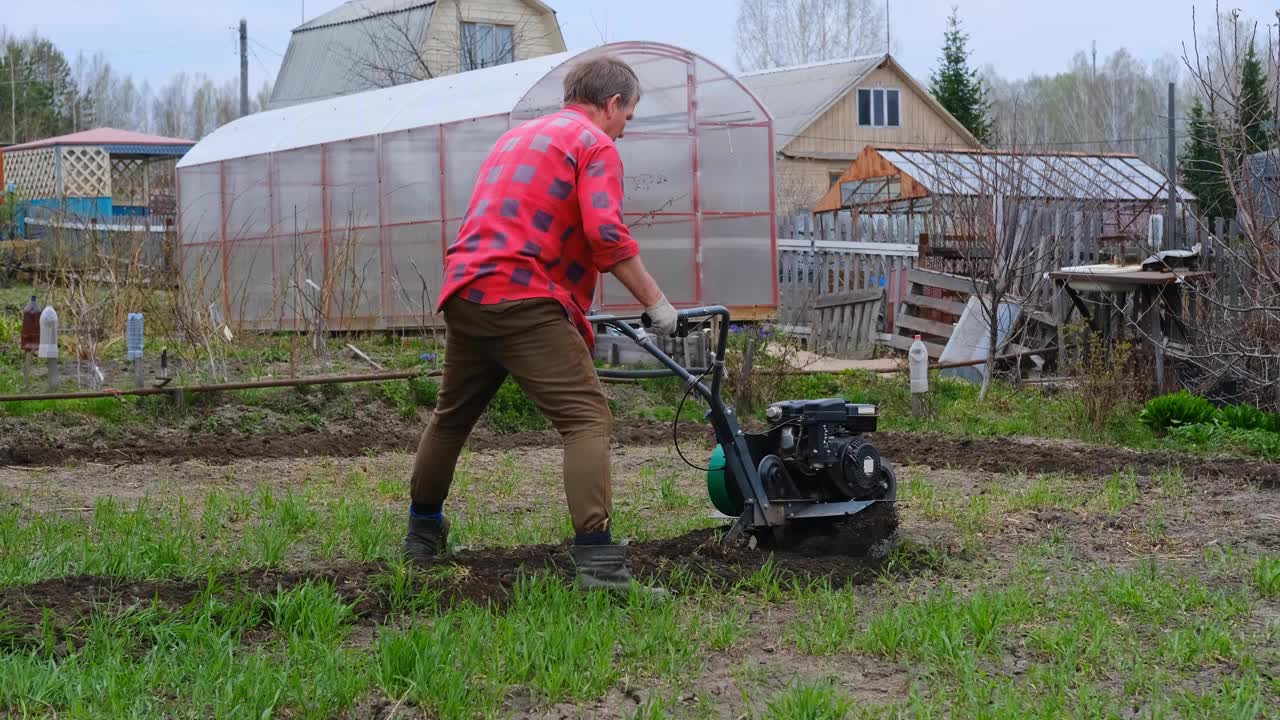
[[604, 567], [426, 539]]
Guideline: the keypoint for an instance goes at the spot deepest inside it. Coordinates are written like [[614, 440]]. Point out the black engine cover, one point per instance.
[[857, 473], [821, 447]]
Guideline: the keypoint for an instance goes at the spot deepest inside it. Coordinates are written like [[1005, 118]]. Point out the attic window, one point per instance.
[[484, 45], [878, 107]]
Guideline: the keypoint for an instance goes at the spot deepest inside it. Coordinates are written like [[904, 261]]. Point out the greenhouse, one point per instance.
[[339, 211]]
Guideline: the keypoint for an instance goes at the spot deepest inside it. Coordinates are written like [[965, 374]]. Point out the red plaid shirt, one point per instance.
[[545, 219]]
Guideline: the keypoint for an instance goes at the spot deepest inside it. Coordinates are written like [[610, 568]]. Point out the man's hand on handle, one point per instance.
[[662, 317], [635, 278]]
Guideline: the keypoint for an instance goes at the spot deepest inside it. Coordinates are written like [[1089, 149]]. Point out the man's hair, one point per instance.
[[594, 81]]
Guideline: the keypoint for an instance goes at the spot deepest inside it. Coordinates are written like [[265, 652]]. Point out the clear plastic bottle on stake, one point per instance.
[[133, 345], [48, 349], [918, 360]]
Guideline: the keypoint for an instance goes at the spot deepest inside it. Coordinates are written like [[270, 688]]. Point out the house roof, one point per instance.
[[104, 136], [451, 98], [1106, 177], [357, 46], [797, 96], [355, 10], [1265, 164], [1264, 179]]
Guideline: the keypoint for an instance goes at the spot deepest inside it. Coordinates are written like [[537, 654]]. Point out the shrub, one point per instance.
[[1199, 435], [512, 411], [1175, 410], [1106, 379], [1245, 417], [1212, 436], [424, 391]]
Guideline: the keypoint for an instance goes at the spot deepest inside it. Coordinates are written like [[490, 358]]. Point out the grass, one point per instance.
[[960, 631]]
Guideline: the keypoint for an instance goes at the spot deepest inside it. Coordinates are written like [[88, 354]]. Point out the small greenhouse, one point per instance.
[[343, 208]]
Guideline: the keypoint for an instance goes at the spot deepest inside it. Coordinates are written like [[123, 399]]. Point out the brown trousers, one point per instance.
[[534, 342]]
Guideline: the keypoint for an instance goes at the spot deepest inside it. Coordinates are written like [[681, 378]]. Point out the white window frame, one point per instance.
[[486, 31], [883, 92]]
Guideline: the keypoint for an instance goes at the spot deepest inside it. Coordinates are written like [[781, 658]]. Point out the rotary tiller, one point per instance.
[[812, 467]]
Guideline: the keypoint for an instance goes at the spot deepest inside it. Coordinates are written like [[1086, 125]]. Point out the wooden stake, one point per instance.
[[360, 354]]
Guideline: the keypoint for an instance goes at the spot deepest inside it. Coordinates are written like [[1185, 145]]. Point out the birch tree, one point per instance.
[[777, 33]]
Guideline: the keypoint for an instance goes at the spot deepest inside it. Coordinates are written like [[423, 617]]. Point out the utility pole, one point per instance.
[[1170, 226], [244, 67], [888, 39], [13, 103]]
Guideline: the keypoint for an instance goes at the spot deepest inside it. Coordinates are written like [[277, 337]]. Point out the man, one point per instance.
[[545, 218]]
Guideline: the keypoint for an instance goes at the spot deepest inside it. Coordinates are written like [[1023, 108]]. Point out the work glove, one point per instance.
[[662, 317]]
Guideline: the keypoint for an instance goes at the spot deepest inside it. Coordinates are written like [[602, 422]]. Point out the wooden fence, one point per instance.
[[830, 254]]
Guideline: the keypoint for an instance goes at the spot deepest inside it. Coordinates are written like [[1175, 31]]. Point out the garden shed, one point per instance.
[[344, 207], [100, 174], [908, 192]]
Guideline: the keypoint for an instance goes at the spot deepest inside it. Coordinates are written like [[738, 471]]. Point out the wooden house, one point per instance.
[[826, 113]]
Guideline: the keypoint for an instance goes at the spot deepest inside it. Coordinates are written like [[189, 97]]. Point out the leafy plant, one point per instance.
[[512, 411], [1177, 409], [424, 391], [1198, 435], [1204, 436], [1246, 417]]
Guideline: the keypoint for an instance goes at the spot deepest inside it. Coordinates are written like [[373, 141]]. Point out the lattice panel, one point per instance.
[[128, 181], [32, 171], [86, 172]]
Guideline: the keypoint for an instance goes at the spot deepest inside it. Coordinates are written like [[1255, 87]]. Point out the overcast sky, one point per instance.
[[153, 39]]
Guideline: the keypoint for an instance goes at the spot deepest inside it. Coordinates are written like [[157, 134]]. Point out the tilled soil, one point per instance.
[[484, 576], [1031, 455], [1035, 455], [28, 449]]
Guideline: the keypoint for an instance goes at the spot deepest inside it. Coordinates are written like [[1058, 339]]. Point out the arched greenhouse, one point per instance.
[[343, 207]]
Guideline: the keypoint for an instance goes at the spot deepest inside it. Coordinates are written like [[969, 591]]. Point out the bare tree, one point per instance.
[[776, 33], [401, 47], [1233, 322], [1003, 219]]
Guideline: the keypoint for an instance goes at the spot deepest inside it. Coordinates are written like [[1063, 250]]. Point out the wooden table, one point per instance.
[[1156, 306]]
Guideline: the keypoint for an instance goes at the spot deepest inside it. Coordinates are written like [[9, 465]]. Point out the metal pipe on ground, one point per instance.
[[605, 374]]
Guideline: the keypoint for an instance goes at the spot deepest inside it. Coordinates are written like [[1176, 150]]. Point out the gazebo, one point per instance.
[[343, 207], [99, 175]]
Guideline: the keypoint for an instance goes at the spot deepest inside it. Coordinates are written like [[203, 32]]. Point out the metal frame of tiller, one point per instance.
[[758, 510]]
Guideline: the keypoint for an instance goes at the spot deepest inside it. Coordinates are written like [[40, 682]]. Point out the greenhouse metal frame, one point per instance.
[[340, 211]]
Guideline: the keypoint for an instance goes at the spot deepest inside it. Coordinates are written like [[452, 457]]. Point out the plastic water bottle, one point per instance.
[[31, 326], [133, 336], [48, 334], [918, 359]]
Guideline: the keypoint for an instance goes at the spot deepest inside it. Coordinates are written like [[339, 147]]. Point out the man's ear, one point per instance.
[[615, 104]]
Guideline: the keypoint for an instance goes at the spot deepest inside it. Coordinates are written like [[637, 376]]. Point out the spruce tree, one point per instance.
[[1202, 165], [1255, 109], [957, 86]]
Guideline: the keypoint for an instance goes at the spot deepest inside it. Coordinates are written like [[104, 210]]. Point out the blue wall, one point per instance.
[[99, 207]]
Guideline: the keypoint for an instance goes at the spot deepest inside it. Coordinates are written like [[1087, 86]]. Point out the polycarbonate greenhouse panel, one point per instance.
[[345, 206]]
